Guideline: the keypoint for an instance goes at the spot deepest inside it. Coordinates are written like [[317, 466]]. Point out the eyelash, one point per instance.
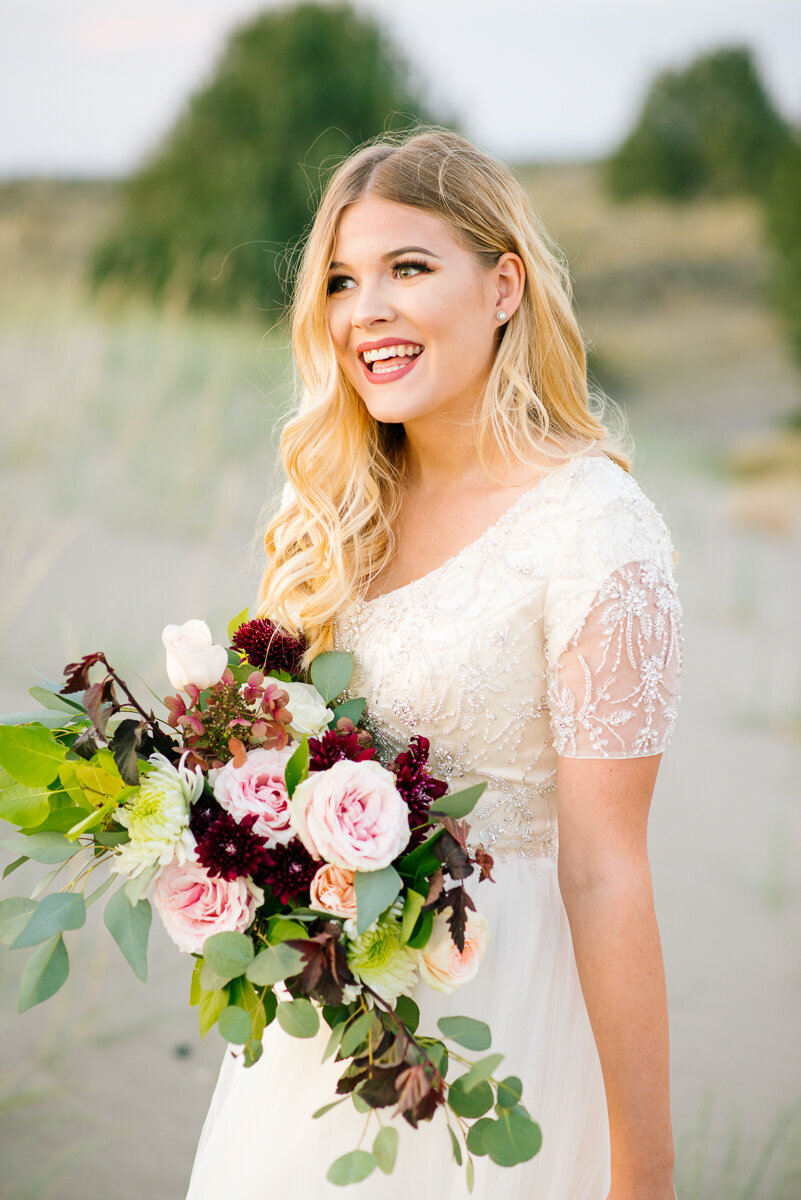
[[406, 262]]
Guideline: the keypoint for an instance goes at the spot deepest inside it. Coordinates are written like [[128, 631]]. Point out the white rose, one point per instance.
[[309, 713], [191, 657]]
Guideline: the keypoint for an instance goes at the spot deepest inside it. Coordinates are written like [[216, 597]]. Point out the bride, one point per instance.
[[460, 519]]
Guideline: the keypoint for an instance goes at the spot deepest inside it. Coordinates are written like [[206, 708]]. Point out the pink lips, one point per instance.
[[390, 376]]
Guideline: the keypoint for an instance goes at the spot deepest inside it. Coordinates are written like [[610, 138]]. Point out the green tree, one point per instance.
[[782, 214], [710, 129], [207, 221]]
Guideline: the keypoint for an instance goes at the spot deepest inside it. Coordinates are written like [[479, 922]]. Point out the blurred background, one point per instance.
[[159, 164]]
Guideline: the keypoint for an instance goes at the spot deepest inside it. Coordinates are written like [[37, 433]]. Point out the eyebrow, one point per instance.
[[393, 254]]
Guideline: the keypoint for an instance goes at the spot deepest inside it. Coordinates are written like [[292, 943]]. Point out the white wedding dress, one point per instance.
[[557, 631]]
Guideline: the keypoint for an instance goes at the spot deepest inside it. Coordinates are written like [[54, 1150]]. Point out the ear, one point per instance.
[[510, 282]]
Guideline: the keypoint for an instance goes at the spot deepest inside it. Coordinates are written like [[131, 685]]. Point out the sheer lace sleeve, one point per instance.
[[613, 634], [613, 691]]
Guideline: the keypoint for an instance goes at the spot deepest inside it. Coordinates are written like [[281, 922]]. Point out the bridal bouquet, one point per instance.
[[308, 880]]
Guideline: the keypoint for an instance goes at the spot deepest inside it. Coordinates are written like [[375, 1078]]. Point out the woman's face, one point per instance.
[[399, 278]]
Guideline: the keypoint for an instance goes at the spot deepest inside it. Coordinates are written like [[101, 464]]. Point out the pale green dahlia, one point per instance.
[[377, 958], [157, 818]]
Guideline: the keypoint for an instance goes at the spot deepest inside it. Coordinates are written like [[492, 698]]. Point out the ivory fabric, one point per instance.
[[556, 632]]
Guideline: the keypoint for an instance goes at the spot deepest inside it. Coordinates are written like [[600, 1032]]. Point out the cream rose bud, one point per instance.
[[332, 891], [352, 815], [441, 965], [309, 712], [191, 656]]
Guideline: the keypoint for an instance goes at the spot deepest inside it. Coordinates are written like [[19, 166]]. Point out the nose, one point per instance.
[[371, 306]]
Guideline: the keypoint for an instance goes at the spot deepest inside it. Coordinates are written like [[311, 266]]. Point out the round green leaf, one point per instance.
[[466, 1031], [470, 1104], [45, 972], [475, 1135], [273, 964], [458, 804], [375, 891], [14, 916], [351, 1167], [54, 914], [385, 1148], [408, 1012], [235, 1025], [511, 1139], [209, 980], [509, 1092], [330, 673], [298, 1017], [229, 954]]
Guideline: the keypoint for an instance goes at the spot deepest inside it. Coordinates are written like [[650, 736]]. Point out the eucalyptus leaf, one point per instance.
[[469, 1175], [55, 701], [52, 720], [210, 980], [137, 885], [98, 892], [320, 1112], [355, 1034], [375, 891], [458, 804], [331, 673], [54, 914], [475, 1135], [408, 1012], [359, 1103], [466, 1031], [281, 929], [43, 884], [480, 1071], [412, 907], [45, 972], [509, 1092], [351, 1167], [333, 1041], [457, 1149], [229, 954], [298, 1017], [12, 866], [129, 925], [511, 1139], [474, 1103], [235, 1025], [352, 709], [14, 916], [273, 964], [30, 753], [43, 847]]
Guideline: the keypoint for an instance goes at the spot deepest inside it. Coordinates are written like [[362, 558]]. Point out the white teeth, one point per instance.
[[403, 350]]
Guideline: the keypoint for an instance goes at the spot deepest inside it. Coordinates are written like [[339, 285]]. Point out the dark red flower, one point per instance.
[[336, 744], [229, 848], [417, 785], [288, 871], [203, 813], [269, 647]]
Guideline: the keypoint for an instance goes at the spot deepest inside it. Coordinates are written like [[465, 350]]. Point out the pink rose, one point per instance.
[[193, 906], [351, 815], [258, 787], [191, 656], [332, 890], [441, 965]]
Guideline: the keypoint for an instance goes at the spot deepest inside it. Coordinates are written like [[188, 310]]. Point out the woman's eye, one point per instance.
[[409, 266], [334, 281]]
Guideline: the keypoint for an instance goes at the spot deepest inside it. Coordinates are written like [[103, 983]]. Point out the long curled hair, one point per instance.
[[345, 469]]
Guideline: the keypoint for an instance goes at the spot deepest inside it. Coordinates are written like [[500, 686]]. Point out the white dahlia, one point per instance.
[[377, 958], [157, 818]]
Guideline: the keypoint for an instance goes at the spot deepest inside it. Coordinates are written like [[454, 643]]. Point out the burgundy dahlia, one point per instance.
[[417, 785], [334, 745], [229, 848], [269, 647], [288, 871], [203, 813]]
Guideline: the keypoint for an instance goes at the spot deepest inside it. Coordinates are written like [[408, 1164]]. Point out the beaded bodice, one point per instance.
[[556, 632]]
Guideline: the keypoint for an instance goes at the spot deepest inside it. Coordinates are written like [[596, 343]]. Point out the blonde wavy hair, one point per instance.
[[335, 530]]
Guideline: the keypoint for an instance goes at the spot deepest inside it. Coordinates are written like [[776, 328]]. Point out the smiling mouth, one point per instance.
[[390, 359]]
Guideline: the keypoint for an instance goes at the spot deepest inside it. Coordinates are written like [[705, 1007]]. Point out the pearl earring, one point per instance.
[[501, 315]]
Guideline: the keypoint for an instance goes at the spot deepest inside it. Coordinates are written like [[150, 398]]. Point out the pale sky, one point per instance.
[[87, 87]]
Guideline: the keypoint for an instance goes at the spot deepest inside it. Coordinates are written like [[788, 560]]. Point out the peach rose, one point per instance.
[[332, 890], [351, 815], [441, 965], [258, 787], [193, 905], [191, 657]]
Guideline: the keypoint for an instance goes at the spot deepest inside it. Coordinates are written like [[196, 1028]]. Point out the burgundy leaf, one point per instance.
[[77, 673]]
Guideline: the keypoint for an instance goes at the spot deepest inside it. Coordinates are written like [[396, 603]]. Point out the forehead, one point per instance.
[[372, 226]]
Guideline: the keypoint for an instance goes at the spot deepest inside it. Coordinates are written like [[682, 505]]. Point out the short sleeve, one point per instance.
[[613, 636]]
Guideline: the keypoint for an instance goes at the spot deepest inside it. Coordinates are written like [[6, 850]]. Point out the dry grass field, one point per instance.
[[137, 453]]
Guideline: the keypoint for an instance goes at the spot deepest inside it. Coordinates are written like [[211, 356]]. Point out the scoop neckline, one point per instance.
[[572, 464]]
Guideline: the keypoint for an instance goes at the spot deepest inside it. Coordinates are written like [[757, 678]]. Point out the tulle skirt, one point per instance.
[[259, 1141]]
